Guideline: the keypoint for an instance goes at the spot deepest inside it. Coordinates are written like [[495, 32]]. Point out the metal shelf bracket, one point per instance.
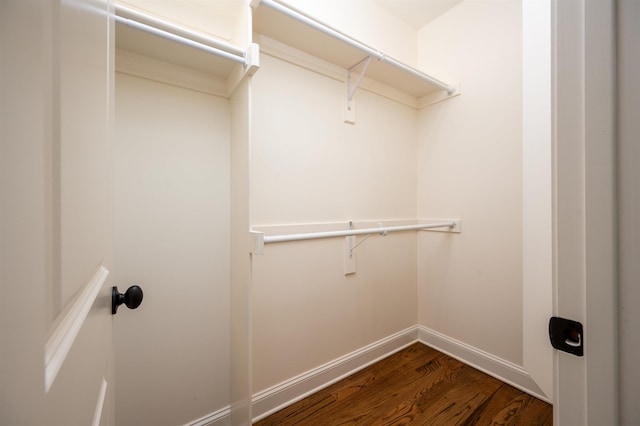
[[352, 87]]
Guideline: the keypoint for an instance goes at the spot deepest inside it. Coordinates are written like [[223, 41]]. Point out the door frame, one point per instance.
[[569, 196], [584, 94]]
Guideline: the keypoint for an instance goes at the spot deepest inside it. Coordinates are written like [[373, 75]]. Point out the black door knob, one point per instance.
[[132, 298]]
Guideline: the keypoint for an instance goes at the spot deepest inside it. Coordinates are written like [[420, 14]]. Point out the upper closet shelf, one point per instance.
[[149, 36], [282, 23]]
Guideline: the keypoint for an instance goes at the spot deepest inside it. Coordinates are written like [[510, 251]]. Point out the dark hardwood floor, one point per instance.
[[416, 386]]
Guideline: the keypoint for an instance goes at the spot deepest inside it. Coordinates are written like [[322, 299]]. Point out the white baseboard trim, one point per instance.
[[290, 391], [222, 417], [492, 365], [286, 393]]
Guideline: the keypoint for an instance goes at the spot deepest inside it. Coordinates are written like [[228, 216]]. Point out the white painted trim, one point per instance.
[[221, 417], [97, 415], [537, 193], [492, 365], [153, 69], [59, 343], [239, 73], [290, 391], [271, 400]]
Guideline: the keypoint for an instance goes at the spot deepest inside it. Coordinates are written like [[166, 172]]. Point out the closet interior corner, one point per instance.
[[233, 138]]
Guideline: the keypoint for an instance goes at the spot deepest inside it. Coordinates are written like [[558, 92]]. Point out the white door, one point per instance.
[[55, 313]]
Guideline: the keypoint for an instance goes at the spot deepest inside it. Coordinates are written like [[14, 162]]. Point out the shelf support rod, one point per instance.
[[351, 89], [352, 249]]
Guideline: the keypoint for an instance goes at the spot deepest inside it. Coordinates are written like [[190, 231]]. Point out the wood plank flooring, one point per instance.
[[416, 386]]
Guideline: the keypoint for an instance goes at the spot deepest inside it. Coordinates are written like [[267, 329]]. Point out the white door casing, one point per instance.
[[628, 128], [585, 389], [56, 98], [537, 190], [569, 203]]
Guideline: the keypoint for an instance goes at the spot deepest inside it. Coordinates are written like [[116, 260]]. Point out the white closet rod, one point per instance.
[[269, 239], [352, 42], [157, 27]]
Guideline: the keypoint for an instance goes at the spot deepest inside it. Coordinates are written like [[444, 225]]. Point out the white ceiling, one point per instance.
[[417, 13]]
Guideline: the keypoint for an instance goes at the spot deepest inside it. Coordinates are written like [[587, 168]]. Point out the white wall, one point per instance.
[[469, 167], [308, 167], [172, 190], [225, 20]]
